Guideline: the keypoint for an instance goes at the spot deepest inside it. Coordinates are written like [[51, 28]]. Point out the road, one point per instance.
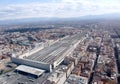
[[95, 63], [117, 57]]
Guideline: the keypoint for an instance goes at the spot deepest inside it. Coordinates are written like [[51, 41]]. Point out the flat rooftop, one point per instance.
[[55, 51], [31, 70], [74, 79]]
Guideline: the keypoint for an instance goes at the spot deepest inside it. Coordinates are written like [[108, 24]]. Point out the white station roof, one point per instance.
[[31, 70], [56, 51]]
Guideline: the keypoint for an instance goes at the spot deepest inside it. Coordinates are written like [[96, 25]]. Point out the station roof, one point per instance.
[[55, 51], [31, 70]]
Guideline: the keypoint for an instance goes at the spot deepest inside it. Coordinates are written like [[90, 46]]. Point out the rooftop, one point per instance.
[[30, 70], [55, 51], [73, 79]]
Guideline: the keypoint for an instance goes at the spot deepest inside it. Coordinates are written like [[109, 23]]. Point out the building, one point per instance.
[[51, 56], [73, 79]]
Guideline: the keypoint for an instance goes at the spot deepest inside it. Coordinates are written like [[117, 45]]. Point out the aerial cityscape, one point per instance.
[[59, 42]]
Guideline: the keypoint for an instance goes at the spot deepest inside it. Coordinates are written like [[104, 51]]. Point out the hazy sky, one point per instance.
[[15, 9]]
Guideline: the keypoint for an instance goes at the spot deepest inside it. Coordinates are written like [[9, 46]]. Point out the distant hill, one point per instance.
[[115, 16], [104, 16]]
